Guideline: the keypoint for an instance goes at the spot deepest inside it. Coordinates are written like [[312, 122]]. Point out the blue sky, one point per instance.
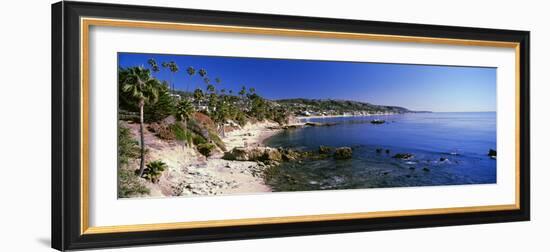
[[416, 87]]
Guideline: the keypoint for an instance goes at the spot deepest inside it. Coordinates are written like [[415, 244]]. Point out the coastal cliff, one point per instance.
[[190, 172]]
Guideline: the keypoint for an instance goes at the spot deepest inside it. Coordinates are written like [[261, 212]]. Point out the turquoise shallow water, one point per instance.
[[448, 149]]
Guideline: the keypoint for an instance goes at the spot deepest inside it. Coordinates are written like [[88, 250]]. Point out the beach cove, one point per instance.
[[438, 159], [191, 173]]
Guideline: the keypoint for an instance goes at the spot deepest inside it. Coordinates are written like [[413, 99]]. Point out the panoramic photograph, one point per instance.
[[198, 125]]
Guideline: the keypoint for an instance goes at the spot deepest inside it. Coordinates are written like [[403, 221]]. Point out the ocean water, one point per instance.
[[448, 149]]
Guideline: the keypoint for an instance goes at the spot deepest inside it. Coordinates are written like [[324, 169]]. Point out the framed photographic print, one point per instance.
[[180, 125]]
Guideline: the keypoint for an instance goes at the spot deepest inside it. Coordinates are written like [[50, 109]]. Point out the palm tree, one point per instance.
[[242, 93], [191, 72], [184, 110], [198, 95], [202, 72], [173, 67], [210, 88], [153, 63], [220, 115], [138, 84], [154, 170], [212, 102]]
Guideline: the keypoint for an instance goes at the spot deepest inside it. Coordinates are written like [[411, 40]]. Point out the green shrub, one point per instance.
[[154, 170], [180, 133], [216, 139], [189, 138], [241, 119], [195, 127], [206, 149], [128, 148], [129, 184], [163, 107], [198, 139]]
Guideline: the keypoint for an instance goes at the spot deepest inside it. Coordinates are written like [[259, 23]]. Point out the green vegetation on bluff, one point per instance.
[[128, 183], [301, 106]]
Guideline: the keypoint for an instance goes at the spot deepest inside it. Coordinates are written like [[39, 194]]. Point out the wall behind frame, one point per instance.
[[25, 111]]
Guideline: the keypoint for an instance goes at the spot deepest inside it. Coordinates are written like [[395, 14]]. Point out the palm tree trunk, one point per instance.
[[142, 162], [172, 82], [185, 128]]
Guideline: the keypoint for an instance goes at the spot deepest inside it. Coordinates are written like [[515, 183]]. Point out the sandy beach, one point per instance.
[[190, 173], [251, 135]]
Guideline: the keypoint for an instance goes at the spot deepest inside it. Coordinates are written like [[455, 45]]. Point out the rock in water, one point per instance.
[[272, 155], [289, 155], [253, 154], [403, 156], [238, 153], [492, 153], [343, 153], [256, 154], [324, 149], [317, 124]]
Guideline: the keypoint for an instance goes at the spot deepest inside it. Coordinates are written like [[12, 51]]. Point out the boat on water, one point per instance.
[[378, 121]]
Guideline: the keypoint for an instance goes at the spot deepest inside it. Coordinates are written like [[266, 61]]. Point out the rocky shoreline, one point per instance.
[[244, 166], [221, 177], [240, 169]]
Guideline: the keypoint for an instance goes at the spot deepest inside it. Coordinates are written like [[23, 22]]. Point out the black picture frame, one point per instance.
[[66, 114]]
